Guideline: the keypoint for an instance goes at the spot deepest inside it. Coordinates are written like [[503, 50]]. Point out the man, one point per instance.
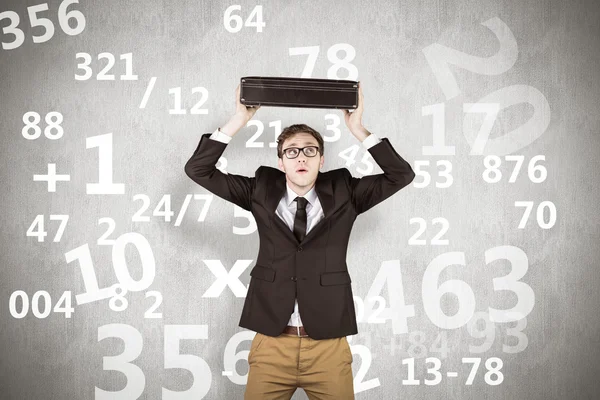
[[304, 218]]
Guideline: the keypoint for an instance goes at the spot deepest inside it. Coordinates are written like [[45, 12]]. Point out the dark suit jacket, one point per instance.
[[313, 270]]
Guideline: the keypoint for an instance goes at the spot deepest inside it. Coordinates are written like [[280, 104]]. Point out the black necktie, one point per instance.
[[300, 219]]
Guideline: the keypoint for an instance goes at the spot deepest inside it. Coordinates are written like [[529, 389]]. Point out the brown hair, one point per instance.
[[291, 130]]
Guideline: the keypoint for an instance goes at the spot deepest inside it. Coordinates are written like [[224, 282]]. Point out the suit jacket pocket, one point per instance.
[[264, 273], [335, 278]]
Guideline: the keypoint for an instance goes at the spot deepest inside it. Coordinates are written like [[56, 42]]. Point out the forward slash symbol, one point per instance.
[[184, 207], [148, 91]]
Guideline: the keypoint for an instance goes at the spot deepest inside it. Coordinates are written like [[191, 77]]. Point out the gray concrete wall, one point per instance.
[[533, 65]]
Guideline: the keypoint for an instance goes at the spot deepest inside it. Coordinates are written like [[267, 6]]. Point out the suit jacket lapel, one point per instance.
[[324, 193]]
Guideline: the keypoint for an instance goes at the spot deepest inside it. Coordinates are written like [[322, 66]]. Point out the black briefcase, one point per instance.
[[298, 92]]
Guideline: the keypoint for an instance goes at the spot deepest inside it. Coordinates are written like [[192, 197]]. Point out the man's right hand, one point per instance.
[[241, 117], [241, 110]]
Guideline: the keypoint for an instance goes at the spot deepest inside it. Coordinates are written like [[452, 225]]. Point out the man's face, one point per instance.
[[301, 172]]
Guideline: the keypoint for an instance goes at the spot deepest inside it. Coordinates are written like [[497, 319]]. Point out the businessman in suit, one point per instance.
[[304, 218]]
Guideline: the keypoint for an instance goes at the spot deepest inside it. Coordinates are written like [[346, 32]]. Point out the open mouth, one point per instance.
[[302, 170]]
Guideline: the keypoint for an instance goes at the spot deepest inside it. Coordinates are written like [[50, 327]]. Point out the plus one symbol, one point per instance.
[[51, 178]]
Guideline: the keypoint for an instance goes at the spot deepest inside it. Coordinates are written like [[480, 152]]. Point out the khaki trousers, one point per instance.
[[280, 364]]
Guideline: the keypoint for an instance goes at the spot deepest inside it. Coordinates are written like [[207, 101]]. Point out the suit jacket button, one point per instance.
[[299, 248], [294, 278]]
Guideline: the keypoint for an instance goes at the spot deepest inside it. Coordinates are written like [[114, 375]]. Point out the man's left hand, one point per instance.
[[354, 119]]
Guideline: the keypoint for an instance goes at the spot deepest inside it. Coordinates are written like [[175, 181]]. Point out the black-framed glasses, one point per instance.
[[293, 152]]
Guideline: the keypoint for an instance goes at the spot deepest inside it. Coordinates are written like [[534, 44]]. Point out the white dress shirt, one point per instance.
[[286, 209]]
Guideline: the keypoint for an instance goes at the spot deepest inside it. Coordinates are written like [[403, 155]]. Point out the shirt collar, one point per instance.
[[290, 195]]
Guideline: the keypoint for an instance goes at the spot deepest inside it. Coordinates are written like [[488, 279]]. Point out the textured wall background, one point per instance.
[[419, 63]]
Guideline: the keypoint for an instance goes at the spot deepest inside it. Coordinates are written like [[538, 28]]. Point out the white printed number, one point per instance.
[[53, 120], [437, 239], [433, 290], [102, 75], [62, 305], [441, 57], [350, 154], [126, 282], [229, 18], [492, 377], [177, 100], [163, 208], [488, 332], [135, 378], [338, 63], [542, 223], [40, 233], [535, 173], [39, 23], [445, 173], [253, 142], [105, 183]]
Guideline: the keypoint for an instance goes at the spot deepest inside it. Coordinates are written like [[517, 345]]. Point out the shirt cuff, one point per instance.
[[220, 136], [371, 141]]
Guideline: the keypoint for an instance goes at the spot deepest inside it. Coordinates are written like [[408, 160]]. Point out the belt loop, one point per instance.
[[298, 328]]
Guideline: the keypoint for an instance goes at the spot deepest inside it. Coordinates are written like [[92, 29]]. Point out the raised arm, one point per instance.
[[370, 190], [201, 167]]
